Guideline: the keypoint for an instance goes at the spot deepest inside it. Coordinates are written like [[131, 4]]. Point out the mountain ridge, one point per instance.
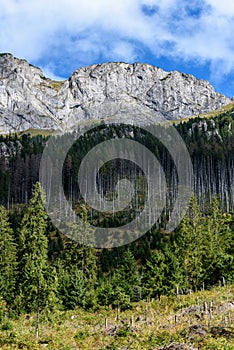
[[137, 92]]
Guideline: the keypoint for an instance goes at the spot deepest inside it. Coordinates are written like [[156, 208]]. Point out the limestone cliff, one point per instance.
[[29, 100]]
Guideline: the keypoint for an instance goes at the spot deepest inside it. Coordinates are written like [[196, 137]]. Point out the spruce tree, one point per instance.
[[37, 283], [122, 285], [78, 267], [8, 258], [218, 258], [127, 275], [189, 245], [204, 245], [162, 274]]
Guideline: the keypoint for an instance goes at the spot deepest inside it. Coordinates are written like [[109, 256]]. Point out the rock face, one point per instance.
[[140, 92]]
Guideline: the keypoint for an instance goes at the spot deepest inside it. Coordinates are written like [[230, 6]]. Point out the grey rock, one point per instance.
[[191, 310], [227, 307], [27, 98], [136, 92], [222, 332], [195, 330], [113, 330]]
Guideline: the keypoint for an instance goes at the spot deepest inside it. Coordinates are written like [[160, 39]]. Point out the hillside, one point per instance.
[[165, 290], [203, 320]]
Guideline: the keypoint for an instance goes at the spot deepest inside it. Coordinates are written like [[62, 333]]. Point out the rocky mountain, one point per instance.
[[139, 92]]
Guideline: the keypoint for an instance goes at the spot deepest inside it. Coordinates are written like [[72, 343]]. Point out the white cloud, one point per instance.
[[82, 31], [223, 7], [122, 49], [49, 72]]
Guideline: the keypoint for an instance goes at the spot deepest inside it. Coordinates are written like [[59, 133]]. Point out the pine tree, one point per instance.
[[8, 258], [37, 283]]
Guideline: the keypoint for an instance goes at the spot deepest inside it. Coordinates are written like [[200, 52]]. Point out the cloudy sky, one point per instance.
[[193, 36]]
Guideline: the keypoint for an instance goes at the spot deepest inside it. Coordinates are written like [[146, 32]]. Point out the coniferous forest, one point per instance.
[[44, 274]]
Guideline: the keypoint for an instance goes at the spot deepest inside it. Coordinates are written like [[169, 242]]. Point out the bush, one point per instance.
[[2, 308], [7, 326]]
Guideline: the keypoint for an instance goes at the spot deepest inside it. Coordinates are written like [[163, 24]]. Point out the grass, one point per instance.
[[208, 115], [56, 85], [52, 84], [36, 132], [153, 324]]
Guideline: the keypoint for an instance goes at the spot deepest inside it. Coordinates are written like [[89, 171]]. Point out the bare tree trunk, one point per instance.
[[38, 312]]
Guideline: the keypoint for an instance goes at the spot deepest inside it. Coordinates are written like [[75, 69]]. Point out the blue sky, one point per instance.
[[59, 36]]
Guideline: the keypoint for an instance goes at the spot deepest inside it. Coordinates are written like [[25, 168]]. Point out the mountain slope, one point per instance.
[[141, 91]]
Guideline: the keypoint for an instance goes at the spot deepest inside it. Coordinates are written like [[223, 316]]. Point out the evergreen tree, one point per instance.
[[78, 267], [162, 274], [8, 258], [127, 275], [38, 281], [189, 245], [121, 287], [204, 245], [218, 246]]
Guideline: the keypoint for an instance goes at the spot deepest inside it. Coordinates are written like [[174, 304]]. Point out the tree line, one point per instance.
[[210, 143]]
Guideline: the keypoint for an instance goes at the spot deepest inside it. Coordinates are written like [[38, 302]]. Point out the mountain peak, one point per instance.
[[29, 100]]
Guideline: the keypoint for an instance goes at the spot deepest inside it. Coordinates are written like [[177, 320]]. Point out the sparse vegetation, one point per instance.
[[52, 84], [169, 321], [56, 85]]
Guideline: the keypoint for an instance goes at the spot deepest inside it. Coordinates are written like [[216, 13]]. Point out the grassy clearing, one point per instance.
[[36, 132], [203, 319], [56, 85], [208, 115], [52, 84]]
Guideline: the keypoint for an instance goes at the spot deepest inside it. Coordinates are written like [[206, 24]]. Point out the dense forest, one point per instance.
[[210, 143], [43, 270]]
